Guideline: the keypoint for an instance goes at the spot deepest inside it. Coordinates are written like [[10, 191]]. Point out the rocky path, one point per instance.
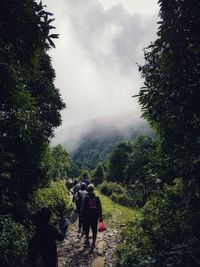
[[72, 253]]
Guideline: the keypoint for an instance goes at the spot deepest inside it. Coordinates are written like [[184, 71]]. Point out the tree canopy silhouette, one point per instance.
[[30, 104], [170, 98]]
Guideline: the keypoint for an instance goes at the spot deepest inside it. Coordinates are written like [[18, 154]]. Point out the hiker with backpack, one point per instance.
[[85, 180], [42, 246], [92, 213], [69, 185], [76, 187], [79, 198]]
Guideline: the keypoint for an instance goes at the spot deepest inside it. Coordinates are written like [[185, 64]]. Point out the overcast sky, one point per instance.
[[95, 57]]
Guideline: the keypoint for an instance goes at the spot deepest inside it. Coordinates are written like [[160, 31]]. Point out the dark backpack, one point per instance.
[[93, 205]]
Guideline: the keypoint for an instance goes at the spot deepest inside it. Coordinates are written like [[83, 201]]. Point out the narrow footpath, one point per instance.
[[71, 251]]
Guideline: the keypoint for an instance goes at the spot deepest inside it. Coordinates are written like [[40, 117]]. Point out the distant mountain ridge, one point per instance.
[[92, 141]]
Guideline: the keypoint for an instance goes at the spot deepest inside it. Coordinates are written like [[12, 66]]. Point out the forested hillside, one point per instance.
[[97, 144]]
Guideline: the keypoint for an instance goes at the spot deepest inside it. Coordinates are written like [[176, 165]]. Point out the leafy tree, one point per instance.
[[97, 145], [168, 233], [74, 170], [118, 161], [98, 174], [61, 162], [29, 102], [136, 170], [170, 98]]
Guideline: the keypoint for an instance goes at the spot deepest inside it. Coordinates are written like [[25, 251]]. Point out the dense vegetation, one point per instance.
[[168, 232], [97, 144], [127, 178], [30, 104], [30, 108]]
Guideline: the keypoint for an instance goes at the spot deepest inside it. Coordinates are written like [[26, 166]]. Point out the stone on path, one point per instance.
[[72, 253], [98, 262], [101, 245]]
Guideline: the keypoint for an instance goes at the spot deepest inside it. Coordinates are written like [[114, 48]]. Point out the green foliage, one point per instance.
[[164, 235], [116, 215], [131, 164], [14, 236], [30, 104], [118, 194], [30, 108], [61, 162], [168, 232], [170, 97], [97, 145], [74, 170], [118, 161], [123, 199], [53, 196], [13, 242], [139, 164], [108, 187], [56, 162], [98, 175], [92, 151]]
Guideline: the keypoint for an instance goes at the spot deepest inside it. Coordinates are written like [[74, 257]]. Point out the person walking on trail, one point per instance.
[[43, 244], [92, 213], [69, 185], [76, 187], [79, 198], [85, 180]]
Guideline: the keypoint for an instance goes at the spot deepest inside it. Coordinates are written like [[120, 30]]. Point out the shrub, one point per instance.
[[123, 199], [165, 234], [54, 196], [13, 242], [136, 248], [123, 196], [108, 187]]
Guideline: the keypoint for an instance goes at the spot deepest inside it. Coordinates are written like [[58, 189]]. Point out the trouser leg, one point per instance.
[[51, 260], [80, 222], [84, 223], [87, 229], [94, 230]]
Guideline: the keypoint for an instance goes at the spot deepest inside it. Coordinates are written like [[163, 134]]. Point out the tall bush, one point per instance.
[[164, 235], [54, 196], [13, 242], [30, 104]]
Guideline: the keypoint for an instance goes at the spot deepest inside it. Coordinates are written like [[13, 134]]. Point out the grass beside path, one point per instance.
[[115, 214]]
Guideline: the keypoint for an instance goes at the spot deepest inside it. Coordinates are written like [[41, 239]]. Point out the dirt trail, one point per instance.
[[72, 253]]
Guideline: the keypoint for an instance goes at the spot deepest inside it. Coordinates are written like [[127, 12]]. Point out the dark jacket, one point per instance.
[[85, 180], [43, 243]]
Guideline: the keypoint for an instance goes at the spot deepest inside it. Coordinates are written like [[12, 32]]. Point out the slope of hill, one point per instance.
[[93, 141]]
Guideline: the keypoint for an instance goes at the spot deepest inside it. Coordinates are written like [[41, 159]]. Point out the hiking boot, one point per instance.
[[86, 243], [92, 246], [83, 233]]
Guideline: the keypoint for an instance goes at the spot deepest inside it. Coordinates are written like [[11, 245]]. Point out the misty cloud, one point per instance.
[[96, 55], [114, 36]]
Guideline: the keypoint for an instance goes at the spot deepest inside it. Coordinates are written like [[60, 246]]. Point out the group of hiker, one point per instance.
[[88, 210]]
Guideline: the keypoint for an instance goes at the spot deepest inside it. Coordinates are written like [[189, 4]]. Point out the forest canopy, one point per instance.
[[30, 104]]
